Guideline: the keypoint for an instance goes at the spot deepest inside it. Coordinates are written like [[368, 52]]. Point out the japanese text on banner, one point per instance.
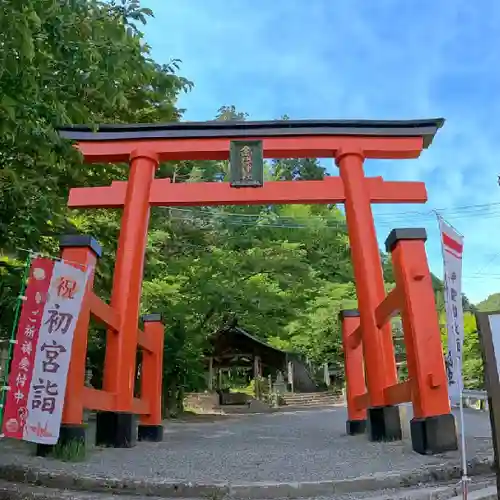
[[53, 353], [16, 410], [452, 246]]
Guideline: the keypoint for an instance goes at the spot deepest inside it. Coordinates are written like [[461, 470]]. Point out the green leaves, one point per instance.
[[490, 304], [64, 63], [282, 272], [472, 363]]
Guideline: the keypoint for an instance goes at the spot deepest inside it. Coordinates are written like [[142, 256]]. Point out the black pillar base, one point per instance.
[[116, 429], [354, 427], [68, 434], [384, 424], [433, 435], [152, 433]]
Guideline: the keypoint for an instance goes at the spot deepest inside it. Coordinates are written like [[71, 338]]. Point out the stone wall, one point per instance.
[[204, 401]]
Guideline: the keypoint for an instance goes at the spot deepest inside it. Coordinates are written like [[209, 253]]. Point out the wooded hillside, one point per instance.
[[490, 304], [283, 272]]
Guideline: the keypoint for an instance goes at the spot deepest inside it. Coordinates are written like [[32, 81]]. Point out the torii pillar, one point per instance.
[[383, 420]]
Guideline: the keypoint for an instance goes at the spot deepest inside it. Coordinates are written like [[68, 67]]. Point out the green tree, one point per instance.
[[307, 169], [66, 63], [473, 372], [472, 363]]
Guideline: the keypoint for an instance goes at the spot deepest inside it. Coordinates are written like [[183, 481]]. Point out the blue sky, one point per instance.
[[385, 59]]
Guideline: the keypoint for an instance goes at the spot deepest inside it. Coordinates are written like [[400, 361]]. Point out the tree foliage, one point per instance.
[[472, 362], [65, 63], [490, 304]]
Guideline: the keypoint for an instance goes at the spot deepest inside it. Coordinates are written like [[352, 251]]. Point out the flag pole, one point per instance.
[[465, 479]]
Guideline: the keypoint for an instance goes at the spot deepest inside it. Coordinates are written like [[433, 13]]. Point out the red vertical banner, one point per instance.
[[23, 360], [53, 353]]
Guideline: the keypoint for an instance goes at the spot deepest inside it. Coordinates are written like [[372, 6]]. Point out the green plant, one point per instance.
[[74, 451]]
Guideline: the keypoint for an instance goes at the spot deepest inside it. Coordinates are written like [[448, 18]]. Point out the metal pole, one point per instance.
[[465, 478]]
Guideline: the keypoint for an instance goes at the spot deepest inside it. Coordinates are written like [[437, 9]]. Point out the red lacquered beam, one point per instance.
[[274, 147], [330, 190]]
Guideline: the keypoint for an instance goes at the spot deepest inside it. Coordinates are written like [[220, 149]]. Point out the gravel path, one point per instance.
[[292, 446]]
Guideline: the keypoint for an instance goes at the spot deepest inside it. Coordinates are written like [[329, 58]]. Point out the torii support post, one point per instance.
[[84, 251], [354, 373], [150, 425], [380, 362], [120, 361], [114, 427], [433, 425]]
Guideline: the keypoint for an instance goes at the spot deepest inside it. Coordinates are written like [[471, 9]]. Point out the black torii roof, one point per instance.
[[425, 128], [234, 346]]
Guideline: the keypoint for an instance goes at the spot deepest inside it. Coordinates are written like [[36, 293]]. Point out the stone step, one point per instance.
[[255, 406], [478, 490], [309, 394], [13, 491], [313, 402], [311, 405], [311, 398]]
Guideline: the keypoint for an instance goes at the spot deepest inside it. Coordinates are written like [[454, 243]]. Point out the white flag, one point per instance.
[[452, 247]]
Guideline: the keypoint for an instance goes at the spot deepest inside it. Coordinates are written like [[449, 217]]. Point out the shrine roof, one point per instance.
[[235, 334], [425, 128], [234, 340], [240, 331]]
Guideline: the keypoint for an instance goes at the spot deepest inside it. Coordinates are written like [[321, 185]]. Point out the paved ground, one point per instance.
[[293, 446]]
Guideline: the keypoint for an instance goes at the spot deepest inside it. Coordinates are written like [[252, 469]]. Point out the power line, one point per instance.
[[294, 222], [272, 220], [342, 250], [450, 211]]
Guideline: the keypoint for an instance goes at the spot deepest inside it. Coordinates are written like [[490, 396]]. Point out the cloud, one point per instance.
[[358, 59]]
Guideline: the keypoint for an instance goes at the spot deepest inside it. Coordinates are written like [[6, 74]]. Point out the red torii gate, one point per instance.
[[349, 142]]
